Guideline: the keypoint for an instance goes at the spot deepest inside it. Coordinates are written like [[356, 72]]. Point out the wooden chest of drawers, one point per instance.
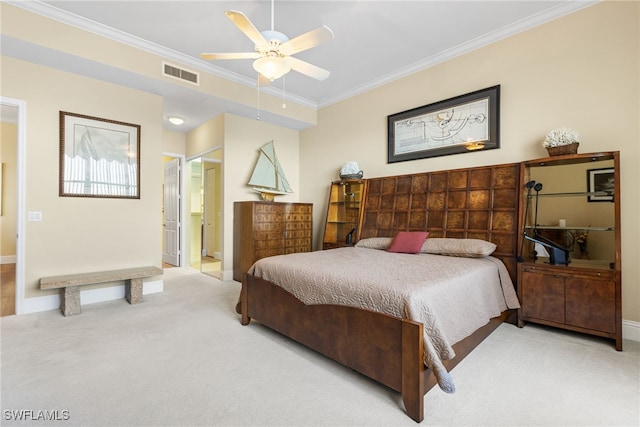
[[263, 229]]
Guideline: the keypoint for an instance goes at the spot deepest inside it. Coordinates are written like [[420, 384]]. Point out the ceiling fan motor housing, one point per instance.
[[274, 40]]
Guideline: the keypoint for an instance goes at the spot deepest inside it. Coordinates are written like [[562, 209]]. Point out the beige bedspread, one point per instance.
[[451, 296]]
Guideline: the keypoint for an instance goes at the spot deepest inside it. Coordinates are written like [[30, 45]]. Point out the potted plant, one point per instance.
[[562, 141]]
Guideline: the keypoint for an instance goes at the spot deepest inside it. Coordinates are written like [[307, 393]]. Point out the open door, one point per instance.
[[171, 211]]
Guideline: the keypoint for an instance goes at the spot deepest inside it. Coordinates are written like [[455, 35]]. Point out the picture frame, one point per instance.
[[600, 185], [98, 157], [456, 125]]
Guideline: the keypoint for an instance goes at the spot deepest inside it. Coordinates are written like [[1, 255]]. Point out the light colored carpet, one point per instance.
[[182, 359]]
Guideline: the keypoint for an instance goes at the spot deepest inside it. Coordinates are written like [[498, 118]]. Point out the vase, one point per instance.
[[584, 252], [562, 150]]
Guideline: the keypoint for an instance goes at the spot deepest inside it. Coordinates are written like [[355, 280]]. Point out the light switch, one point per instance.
[[35, 216]]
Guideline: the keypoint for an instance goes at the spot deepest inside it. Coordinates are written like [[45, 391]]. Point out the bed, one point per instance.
[[398, 342]]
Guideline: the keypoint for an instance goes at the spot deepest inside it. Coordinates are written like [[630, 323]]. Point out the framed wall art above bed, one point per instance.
[[457, 125]]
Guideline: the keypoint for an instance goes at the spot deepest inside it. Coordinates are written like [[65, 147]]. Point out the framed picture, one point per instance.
[[600, 185], [98, 157], [457, 125]]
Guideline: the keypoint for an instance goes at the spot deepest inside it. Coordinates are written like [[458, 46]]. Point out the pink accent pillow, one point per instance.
[[408, 242]]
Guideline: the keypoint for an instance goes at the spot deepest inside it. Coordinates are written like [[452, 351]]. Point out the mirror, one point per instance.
[[205, 213], [569, 213]]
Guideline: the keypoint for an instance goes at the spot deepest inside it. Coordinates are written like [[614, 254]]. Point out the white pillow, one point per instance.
[[375, 243], [472, 248]]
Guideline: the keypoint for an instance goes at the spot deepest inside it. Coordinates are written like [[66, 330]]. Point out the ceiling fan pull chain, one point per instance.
[[258, 107]]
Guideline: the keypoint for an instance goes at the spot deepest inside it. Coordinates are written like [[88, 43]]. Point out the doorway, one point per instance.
[[204, 222], [12, 152]]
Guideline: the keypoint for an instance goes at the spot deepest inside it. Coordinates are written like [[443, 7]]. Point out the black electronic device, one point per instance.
[[529, 185], [349, 239], [558, 254]]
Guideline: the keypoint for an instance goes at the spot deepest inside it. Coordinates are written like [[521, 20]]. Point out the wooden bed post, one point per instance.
[[413, 370], [244, 302]]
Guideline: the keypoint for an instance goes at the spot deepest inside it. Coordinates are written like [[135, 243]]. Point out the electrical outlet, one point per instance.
[[34, 216]]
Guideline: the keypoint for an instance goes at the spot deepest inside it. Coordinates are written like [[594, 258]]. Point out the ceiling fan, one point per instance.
[[273, 50]]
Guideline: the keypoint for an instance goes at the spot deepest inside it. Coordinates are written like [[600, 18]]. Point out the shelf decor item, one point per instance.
[[561, 141], [601, 184], [582, 239], [351, 170], [268, 178]]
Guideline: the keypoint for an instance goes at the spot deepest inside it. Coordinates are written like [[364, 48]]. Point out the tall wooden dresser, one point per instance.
[[262, 229]]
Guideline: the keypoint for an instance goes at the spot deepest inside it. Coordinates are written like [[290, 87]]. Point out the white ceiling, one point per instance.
[[375, 41]]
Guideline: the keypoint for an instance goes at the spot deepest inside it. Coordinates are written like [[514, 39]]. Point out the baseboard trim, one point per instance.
[[8, 259], [631, 330], [90, 296], [227, 275]]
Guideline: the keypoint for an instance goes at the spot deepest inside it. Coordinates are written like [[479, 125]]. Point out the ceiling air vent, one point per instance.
[[179, 73]]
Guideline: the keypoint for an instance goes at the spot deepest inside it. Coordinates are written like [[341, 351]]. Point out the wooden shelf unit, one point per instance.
[[343, 212], [585, 295]]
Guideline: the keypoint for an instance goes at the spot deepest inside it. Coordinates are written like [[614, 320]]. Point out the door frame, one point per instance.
[[20, 208]]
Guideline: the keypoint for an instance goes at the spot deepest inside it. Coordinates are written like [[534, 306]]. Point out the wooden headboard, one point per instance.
[[479, 203]]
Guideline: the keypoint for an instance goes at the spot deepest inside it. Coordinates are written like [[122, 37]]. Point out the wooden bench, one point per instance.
[[69, 285]]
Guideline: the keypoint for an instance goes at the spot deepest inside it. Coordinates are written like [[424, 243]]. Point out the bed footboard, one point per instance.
[[384, 348]]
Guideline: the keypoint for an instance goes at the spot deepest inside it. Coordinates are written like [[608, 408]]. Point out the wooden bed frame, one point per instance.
[[477, 202]]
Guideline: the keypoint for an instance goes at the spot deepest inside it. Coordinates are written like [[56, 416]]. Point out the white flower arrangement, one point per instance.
[[561, 136]]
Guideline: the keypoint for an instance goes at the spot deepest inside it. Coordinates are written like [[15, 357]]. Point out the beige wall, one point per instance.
[[580, 71], [241, 139], [8, 156], [173, 142], [84, 234]]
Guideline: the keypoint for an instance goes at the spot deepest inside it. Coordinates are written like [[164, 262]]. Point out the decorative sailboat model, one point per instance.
[[268, 178]]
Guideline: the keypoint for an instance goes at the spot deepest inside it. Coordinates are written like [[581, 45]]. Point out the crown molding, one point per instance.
[[68, 18], [469, 46]]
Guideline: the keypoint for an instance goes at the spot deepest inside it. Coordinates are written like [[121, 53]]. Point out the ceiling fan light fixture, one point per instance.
[[271, 67], [176, 120]]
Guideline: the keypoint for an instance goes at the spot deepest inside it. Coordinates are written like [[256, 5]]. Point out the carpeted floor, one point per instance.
[[182, 358]]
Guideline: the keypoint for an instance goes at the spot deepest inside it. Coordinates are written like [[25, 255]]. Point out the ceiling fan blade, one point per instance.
[[240, 55], [246, 27], [307, 69], [307, 40]]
